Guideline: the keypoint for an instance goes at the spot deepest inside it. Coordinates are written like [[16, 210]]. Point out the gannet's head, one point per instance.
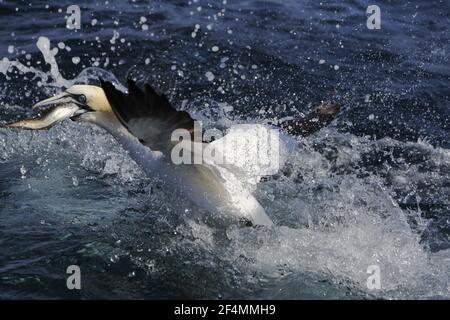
[[73, 103]]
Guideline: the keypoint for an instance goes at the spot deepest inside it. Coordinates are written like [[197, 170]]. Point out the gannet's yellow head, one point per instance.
[[90, 97], [71, 104]]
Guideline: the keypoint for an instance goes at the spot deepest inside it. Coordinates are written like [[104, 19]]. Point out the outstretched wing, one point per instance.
[[147, 115]]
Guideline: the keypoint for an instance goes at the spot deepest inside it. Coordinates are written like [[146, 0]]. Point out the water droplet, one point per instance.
[[76, 60], [23, 171], [210, 76]]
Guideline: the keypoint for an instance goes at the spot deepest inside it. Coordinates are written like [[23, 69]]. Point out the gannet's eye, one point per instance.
[[81, 98]]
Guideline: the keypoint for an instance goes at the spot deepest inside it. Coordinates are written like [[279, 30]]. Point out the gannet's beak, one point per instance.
[[63, 107], [59, 99]]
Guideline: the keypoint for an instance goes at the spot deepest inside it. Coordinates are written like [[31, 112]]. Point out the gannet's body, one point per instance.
[[202, 184], [142, 122]]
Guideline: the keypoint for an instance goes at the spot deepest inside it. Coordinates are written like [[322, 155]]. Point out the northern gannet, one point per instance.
[[142, 121]]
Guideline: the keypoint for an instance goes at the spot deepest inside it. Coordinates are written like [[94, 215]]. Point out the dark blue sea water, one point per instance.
[[373, 188]]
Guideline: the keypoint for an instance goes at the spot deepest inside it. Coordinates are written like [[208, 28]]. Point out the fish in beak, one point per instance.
[[56, 109]]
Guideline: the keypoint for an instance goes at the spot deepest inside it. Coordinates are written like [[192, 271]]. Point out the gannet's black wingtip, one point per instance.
[[131, 82], [108, 87], [320, 117], [328, 108], [105, 83], [145, 107]]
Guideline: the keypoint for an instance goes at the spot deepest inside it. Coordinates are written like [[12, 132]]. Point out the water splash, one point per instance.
[[53, 78], [336, 211], [49, 55], [333, 221]]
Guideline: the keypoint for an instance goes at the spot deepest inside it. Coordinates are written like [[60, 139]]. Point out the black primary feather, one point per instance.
[[147, 115]]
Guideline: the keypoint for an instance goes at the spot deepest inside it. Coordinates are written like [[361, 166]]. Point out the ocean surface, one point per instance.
[[371, 189]]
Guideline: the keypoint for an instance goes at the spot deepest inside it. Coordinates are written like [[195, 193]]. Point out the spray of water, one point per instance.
[[335, 216]]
